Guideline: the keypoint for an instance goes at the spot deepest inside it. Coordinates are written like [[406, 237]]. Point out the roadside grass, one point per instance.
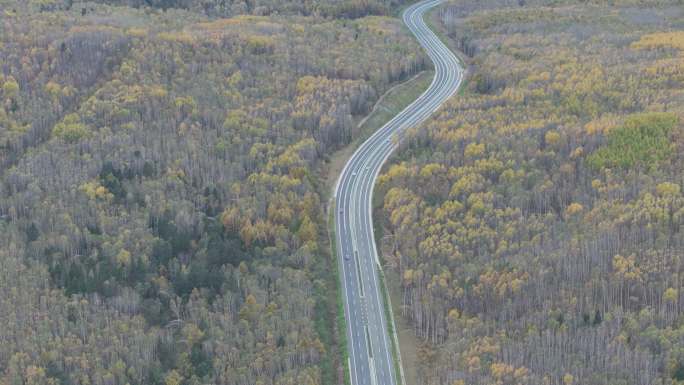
[[436, 27], [464, 87], [389, 307], [343, 351], [328, 324], [407, 343], [391, 292], [394, 101], [390, 104], [432, 23], [389, 316]]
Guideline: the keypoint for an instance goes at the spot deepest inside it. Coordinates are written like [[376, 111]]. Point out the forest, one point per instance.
[[347, 9], [535, 225], [161, 205], [162, 190]]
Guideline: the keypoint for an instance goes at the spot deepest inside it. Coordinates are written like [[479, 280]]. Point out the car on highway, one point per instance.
[[374, 363]]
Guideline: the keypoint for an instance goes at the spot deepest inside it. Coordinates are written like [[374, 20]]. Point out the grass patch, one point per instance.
[[378, 232], [378, 196], [389, 105], [643, 140], [441, 34], [343, 351], [326, 286], [395, 101], [464, 86], [390, 326], [322, 325]]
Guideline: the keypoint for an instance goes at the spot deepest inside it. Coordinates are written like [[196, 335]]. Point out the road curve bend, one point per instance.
[[368, 341]]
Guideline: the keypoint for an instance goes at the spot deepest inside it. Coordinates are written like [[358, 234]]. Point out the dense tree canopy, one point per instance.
[[160, 212], [349, 9], [536, 223]]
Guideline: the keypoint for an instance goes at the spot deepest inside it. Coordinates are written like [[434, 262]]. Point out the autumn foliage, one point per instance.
[[161, 219], [535, 225]]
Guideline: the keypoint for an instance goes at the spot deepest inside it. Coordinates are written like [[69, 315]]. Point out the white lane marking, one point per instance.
[[415, 23], [352, 379]]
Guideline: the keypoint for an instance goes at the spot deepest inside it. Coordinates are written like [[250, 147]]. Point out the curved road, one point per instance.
[[368, 340]]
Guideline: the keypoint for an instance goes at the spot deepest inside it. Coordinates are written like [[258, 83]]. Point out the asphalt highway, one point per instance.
[[368, 339]]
